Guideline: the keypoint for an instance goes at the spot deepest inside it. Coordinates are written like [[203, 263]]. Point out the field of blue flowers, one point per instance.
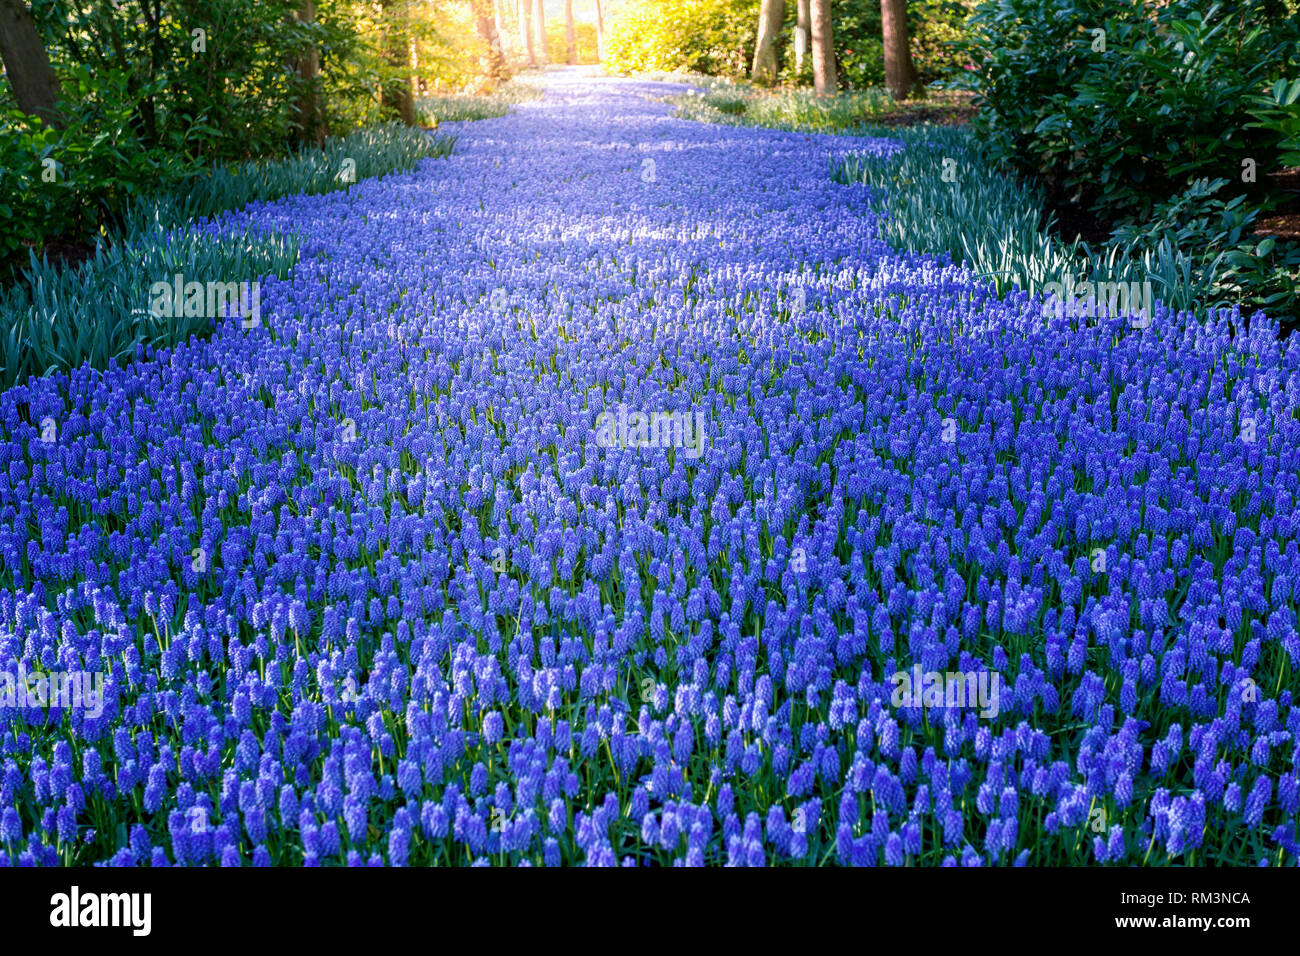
[[364, 587]]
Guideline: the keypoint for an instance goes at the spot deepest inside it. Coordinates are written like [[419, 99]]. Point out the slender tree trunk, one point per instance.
[[600, 32], [539, 32], [398, 97], [801, 34], [900, 74], [36, 88], [308, 122], [524, 9], [771, 13], [494, 62], [825, 80], [570, 40], [146, 108], [416, 83]]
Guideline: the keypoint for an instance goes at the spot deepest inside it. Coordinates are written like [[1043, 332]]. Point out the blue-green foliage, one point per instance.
[[57, 318], [1196, 249]]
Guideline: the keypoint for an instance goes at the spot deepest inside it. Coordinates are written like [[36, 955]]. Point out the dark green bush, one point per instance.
[[859, 49], [210, 75], [73, 184], [151, 94], [1215, 235], [1121, 125], [1278, 113], [28, 203]]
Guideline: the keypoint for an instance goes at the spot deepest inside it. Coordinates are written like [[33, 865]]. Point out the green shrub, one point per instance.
[[230, 93], [29, 204], [859, 48], [1216, 236], [74, 183], [939, 32], [224, 94], [1278, 113], [1122, 120], [715, 37]]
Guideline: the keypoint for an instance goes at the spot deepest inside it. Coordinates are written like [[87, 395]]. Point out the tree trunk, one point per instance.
[[771, 14], [398, 97], [539, 32], [900, 74], [801, 30], [570, 40], [825, 81], [36, 88], [524, 9], [493, 61], [308, 122], [600, 32]]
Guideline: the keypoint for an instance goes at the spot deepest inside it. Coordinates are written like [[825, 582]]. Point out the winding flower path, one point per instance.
[[369, 585]]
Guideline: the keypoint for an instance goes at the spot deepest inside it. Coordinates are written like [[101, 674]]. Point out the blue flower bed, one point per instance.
[[952, 580]]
